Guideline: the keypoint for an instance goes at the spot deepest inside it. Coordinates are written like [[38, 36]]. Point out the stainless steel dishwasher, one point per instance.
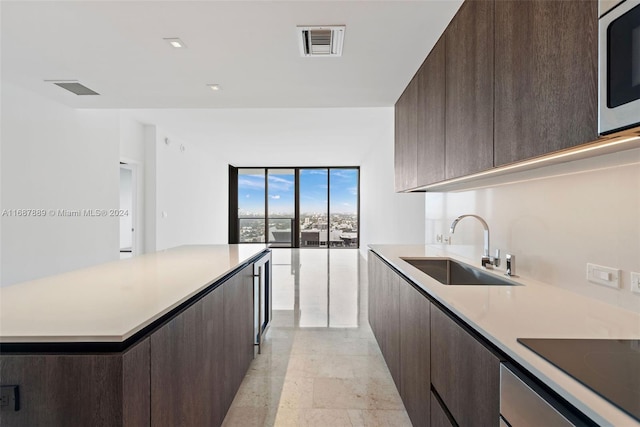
[[522, 406]]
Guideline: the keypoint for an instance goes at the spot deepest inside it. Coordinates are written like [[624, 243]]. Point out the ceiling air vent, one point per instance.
[[323, 40], [74, 87]]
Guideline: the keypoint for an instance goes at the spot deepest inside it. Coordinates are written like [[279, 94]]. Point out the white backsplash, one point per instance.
[[554, 220]]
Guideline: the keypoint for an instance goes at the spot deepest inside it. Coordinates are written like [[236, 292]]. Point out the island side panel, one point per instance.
[[136, 385], [186, 366], [238, 332], [64, 390]]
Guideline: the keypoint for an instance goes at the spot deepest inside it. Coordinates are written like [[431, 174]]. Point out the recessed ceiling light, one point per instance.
[[215, 87], [175, 42]]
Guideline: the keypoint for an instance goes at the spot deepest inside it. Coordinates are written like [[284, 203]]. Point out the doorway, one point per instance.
[[128, 194]]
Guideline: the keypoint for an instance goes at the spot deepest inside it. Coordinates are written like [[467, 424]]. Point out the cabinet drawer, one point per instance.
[[439, 416], [464, 373]]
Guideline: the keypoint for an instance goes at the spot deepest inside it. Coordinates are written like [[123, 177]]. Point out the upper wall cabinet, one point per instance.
[[508, 81], [431, 123], [469, 87], [420, 124], [546, 66], [406, 135]]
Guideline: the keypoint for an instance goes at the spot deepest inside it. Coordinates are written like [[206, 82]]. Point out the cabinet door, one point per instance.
[[545, 77], [385, 309], [439, 416], [464, 373], [136, 392], [64, 390], [238, 331], [406, 138], [373, 292], [469, 89], [431, 117], [415, 353], [186, 366]]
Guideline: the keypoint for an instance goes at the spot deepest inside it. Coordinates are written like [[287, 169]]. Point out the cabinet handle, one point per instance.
[[259, 307]]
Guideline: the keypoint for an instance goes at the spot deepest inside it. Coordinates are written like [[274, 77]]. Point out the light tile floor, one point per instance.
[[320, 364]]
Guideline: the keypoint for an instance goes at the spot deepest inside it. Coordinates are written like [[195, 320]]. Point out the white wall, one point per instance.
[[54, 157], [388, 217], [289, 137], [186, 195], [555, 220]]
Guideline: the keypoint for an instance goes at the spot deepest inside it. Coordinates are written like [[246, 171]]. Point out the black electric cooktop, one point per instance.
[[609, 367]]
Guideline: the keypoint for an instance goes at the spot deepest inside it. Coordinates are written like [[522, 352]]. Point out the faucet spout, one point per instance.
[[484, 225], [487, 260]]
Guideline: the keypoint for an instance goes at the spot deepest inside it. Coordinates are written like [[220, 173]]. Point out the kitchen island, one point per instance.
[[113, 344], [483, 321]]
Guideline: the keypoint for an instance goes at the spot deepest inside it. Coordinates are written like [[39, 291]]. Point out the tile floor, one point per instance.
[[320, 364]]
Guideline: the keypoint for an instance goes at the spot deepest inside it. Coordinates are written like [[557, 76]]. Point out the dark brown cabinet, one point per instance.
[[384, 313], [200, 357], [415, 353], [439, 416], [406, 136], [238, 332], [469, 89], [70, 390], [508, 80], [186, 368], [464, 373], [545, 77], [431, 116], [426, 351]]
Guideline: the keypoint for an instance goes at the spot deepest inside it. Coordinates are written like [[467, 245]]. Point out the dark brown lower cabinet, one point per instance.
[[425, 348], [186, 368], [415, 353], [384, 313], [199, 358], [439, 416], [465, 374], [238, 332], [69, 390]]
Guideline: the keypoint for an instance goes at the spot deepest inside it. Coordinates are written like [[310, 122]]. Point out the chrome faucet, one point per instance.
[[487, 261]]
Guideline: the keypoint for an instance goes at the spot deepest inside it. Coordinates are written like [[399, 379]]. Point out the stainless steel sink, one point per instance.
[[451, 272]]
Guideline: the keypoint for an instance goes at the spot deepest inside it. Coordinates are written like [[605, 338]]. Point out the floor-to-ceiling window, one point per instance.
[[281, 206], [313, 207]]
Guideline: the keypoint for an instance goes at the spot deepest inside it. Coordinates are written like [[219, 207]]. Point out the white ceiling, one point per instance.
[[250, 48]]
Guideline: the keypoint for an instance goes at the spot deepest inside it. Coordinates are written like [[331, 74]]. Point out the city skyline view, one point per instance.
[[328, 206], [314, 186]]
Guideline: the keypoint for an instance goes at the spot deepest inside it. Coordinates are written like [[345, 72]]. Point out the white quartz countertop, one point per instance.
[[111, 302], [537, 310]]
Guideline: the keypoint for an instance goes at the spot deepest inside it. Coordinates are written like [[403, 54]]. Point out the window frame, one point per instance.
[[234, 229]]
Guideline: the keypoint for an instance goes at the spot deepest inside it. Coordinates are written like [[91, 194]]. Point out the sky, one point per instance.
[[313, 190]]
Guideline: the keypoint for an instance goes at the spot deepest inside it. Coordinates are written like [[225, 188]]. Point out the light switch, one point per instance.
[[605, 276], [635, 282]]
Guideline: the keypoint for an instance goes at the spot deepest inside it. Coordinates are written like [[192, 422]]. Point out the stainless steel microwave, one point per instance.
[[619, 66]]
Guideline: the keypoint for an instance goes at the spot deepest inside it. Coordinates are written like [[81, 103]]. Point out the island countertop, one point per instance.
[[110, 303], [502, 314]]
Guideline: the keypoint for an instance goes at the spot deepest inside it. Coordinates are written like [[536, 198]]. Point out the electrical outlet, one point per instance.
[[635, 282], [9, 398], [605, 276], [439, 238]]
